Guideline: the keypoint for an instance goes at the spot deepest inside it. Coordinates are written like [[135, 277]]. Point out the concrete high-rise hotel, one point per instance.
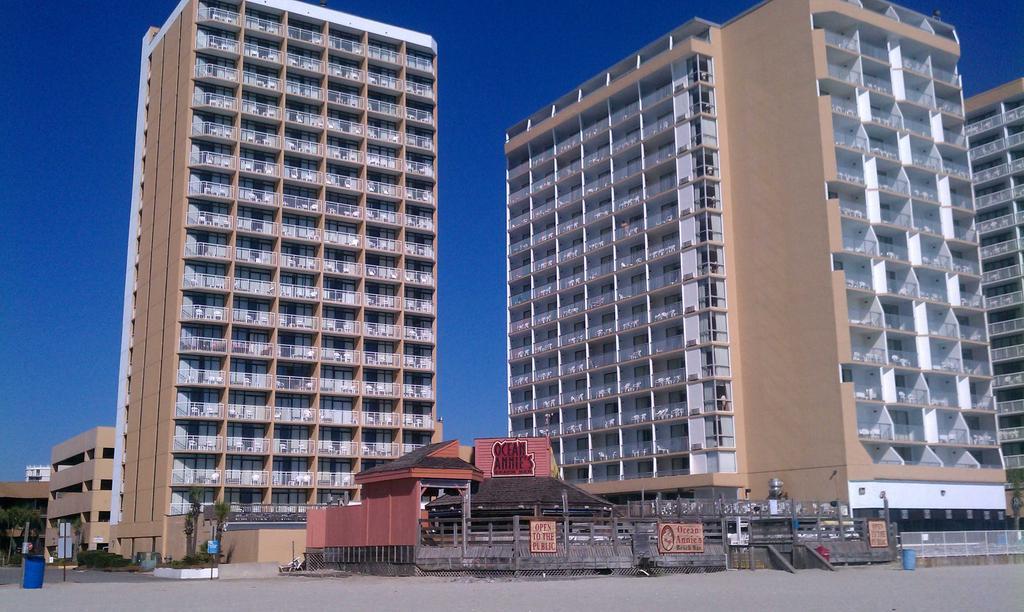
[[280, 306], [995, 126], [748, 251]]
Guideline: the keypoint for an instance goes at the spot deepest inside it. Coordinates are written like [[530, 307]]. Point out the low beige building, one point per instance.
[[81, 478]]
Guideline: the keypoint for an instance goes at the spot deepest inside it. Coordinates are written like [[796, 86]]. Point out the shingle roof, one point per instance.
[[525, 491], [420, 458]]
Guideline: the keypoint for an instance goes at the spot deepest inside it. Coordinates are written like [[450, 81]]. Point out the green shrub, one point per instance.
[[101, 559], [200, 559]]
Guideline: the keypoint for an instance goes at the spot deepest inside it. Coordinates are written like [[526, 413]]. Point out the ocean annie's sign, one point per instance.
[[512, 458], [680, 538]]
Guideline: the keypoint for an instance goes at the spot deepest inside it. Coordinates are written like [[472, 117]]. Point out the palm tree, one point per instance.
[[221, 511], [192, 520], [77, 528]]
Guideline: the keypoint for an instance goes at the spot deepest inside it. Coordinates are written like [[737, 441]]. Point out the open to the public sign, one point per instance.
[[512, 458], [543, 537], [878, 534], [680, 538]]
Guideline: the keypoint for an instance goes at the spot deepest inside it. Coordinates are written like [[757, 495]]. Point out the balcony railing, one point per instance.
[[248, 478], [292, 447], [335, 479], [203, 444], [190, 476], [292, 479], [205, 410], [243, 412], [209, 13], [258, 446]]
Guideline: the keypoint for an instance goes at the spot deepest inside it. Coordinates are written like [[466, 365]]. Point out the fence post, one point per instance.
[[750, 537], [465, 532], [515, 545]]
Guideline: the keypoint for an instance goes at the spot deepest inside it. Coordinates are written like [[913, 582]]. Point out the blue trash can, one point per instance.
[[909, 559], [35, 566]]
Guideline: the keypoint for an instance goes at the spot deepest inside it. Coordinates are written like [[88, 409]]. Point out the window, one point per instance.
[[108, 453], [106, 485]]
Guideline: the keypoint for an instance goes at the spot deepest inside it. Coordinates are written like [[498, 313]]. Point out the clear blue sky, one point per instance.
[[69, 70]]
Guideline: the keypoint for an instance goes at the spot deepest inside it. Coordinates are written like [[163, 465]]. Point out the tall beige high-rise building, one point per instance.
[[995, 127], [280, 305], [747, 251]]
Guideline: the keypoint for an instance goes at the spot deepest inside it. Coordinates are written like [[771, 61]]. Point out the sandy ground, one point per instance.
[[876, 589]]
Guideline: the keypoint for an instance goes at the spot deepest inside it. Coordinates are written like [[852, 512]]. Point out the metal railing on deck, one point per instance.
[[963, 543]]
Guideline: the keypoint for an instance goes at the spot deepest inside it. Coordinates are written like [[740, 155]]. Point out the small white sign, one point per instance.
[[63, 548]]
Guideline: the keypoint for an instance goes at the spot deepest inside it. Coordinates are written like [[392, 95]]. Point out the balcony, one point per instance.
[[255, 287], [337, 448], [259, 52], [296, 383], [383, 108], [198, 344], [243, 412], [253, 317], [217, 15], [210, 189], [908, 433], [252, 446], [380, 419], [261, 109], [419, 63], [303, 62], [190, 476], [250, 380], [262, 168], [216, 72], [380, 53], [291, 479], [257, 196], [330, 416], [379, 389], [345, 72], [1011, 434], [261, 81], [194, 443], [294, 415], [292, 447], [339, 355], [1009, 407], [379, 449], [340, 386], [217, 101], [246, 478], [199, 410], [306, 91], [201, 377], [348, 46], [308, 36], [335, 479], [874, 431], [417, 391], [417, 421]]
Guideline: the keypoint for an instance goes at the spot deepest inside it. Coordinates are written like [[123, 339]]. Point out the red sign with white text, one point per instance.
[[512, 458]]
